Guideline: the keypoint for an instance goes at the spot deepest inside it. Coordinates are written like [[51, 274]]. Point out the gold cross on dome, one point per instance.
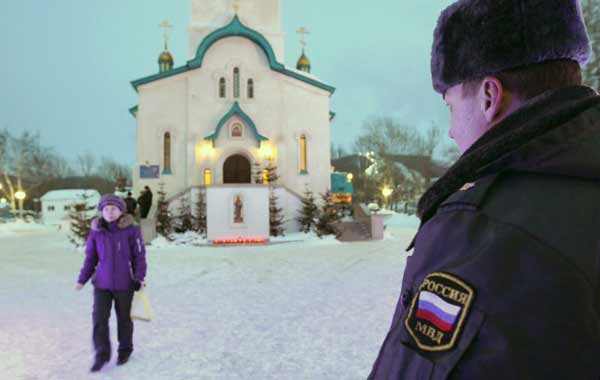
[[166, 26], [236, 6], [303, 32]]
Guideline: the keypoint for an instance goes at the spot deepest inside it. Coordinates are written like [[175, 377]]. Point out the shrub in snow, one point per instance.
[[309, 212], [164, 225]]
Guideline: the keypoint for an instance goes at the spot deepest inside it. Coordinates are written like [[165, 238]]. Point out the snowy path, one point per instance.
[[310, 310]]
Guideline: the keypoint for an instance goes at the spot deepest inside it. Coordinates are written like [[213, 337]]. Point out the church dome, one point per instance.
[[165, 57], [303, 63], [165, 61]]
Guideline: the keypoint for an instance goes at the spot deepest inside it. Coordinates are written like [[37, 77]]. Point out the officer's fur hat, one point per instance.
[[474, 38]]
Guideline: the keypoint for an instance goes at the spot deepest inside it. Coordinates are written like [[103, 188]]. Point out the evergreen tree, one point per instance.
[[184, 217], [275, 216], [163, 217], [272, 175], [257, 173], [275, 213], [199, 219], [327, 216], [81, 215], [309, 212]]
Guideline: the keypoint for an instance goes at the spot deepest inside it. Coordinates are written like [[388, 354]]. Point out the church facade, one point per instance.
[[233, 109]]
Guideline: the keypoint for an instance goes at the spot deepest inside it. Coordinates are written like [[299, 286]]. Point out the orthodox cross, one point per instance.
[[303, 32], [166, 26]]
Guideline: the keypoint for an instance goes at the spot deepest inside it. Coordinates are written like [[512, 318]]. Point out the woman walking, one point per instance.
[[116, 258]]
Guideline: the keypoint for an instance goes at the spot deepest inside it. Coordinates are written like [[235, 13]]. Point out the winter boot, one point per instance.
[[123, 358], [98, 364]]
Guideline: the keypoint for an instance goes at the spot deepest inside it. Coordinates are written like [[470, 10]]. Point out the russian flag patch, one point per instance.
[[438, 312]]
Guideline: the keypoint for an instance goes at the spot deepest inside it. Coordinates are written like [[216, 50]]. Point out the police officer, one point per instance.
[[504, 282]]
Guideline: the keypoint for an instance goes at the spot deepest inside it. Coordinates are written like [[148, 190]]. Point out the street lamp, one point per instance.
[[20, 195], [386, 191]]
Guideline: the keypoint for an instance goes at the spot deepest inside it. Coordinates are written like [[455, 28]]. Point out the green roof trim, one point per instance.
[[236, 110], [234, 28], [133, 111], [331, 115]]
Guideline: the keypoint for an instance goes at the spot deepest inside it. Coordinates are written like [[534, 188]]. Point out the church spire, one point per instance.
[[165, 60], [303, 62]]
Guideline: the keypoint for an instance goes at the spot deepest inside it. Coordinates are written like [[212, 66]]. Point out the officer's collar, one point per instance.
[[538, 116]]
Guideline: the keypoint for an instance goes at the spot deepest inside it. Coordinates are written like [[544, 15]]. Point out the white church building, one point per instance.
[[232, 108]]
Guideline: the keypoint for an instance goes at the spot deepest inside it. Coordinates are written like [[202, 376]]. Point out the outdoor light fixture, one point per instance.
[[349, 177], [266, 150], [20, 195], [386, 191], [204, 149]]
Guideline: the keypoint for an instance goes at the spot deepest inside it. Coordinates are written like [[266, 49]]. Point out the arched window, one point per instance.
[[265, 176], [236, 82], [222, 88], [207, 177], [303, 169], [250, 89], [167, 153]]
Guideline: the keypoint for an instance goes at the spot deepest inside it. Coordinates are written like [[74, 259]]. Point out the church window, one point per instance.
[[265, 176], [303, 154], [222, 88], [236, 130], [50, 208], [236, 82], [67, 208], [167, 153], [250, 89], [207, 177]]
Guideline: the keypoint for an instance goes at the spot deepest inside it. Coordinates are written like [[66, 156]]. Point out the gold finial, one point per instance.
[[303, 32], [166, 26], [236, 6]]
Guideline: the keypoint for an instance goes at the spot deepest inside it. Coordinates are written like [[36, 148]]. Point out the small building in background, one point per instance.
[[56, 205], [341, 187]]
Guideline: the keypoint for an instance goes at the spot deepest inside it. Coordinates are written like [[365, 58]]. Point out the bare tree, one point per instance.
[[86, 163], [112, 170]]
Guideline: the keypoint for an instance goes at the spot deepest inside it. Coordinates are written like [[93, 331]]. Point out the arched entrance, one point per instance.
[[236, 169]]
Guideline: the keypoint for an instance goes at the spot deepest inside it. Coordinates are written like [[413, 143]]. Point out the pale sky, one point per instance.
[[67, 65]]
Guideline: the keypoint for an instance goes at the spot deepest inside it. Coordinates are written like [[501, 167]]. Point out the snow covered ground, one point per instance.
[[308, 309]]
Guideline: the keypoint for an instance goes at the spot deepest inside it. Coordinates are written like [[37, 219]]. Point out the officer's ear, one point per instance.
[[491, 99]]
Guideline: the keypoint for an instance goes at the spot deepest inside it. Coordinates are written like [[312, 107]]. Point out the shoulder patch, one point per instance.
[[438, 311]]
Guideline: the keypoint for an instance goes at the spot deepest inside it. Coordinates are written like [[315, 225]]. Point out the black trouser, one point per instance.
[[102, 305]]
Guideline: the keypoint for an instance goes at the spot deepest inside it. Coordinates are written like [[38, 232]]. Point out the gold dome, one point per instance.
[[303, 63], [165, 57]]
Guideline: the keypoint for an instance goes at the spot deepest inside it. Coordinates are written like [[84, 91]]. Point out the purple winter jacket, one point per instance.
[[116, 253]]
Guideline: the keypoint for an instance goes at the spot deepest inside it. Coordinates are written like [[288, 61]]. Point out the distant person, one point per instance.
[[131, 203], [145, 201], [116, 257]]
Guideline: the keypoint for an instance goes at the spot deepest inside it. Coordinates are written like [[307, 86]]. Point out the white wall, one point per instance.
[[220, 211]]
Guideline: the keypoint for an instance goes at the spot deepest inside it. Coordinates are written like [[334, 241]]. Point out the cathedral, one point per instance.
[[230, 112]]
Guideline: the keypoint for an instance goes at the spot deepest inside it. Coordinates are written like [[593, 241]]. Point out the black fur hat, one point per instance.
[[474, 38]]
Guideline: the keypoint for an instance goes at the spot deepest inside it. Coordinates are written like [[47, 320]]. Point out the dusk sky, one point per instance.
[[67, 64]]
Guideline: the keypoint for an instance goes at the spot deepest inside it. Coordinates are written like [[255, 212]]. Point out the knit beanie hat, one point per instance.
[[475, 38], [111, 199]]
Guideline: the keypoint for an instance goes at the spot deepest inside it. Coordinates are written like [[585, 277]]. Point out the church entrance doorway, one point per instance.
[[236, 169]]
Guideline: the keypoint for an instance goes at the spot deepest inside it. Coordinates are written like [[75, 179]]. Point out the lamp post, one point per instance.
[[20, 195], [386, 192]]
